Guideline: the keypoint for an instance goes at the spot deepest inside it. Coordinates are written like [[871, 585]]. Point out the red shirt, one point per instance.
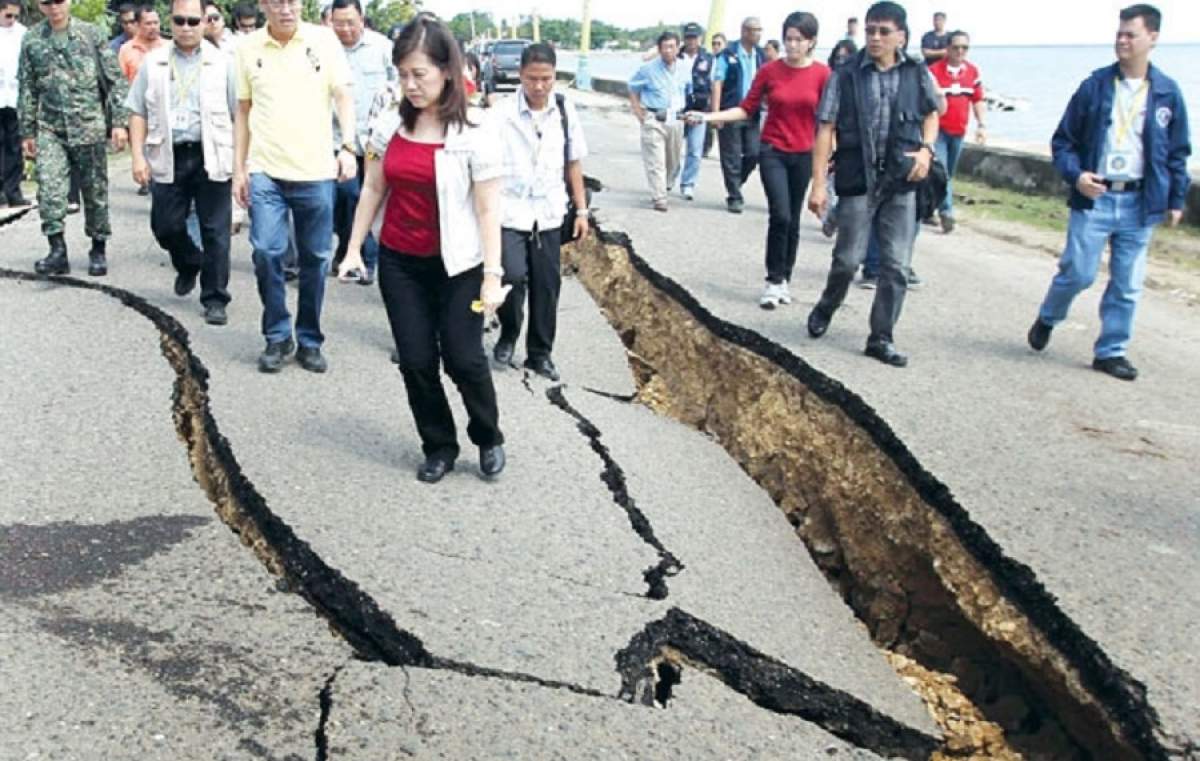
[[961, 88], [792, 95], [410, 219]]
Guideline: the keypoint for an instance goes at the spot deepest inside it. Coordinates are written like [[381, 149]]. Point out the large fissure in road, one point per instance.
[[972, 630]]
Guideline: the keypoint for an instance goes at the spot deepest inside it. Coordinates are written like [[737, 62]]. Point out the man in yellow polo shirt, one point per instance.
[[289, 72]]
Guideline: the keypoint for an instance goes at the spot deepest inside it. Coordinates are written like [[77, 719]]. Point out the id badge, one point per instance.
[[1117, 164], [179, 119]]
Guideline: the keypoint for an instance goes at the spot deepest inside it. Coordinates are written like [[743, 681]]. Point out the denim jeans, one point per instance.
[[345, 203], [311, 206], [949, 148], [892, 220], [1116, 220], [693, 147]]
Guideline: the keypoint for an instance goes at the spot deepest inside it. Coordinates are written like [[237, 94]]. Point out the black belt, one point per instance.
[[188, 146], [1124, 186]]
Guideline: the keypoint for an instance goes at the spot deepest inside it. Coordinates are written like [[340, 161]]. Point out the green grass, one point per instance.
[[1178, 245]]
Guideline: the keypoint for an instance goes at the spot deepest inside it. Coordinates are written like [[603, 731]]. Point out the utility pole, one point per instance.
[[537, 27], [583, 77], [716, 21], [472, 25]]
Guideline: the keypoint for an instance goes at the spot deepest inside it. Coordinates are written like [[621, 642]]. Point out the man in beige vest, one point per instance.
[[181, 125]]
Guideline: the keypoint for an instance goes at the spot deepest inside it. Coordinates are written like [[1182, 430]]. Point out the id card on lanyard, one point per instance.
[[1128, 113], [182, 89]]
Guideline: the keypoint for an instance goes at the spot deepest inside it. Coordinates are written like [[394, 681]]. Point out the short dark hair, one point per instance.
[[957, 33], [1149, 15], [538, 52], [122, 9], [803, 22], [667, 35], [427, 34], [888, 11], [852, 20], [721, 35], [245, 10], [846, 47], [339, 4], [939, 14], [142, 10]]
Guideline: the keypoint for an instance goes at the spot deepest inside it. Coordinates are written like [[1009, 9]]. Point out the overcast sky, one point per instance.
[[990, 22]]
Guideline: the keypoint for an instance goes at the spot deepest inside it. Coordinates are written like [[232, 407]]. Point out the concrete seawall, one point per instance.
[[1000, 167]]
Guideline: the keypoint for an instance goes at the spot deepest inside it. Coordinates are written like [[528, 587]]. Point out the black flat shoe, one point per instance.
[[887, 354], [818, 323], [214, 314], [503, 353], [491, 460], [543, 367], [1039, 335], [1117, 367], [185, 282], [434, 469]]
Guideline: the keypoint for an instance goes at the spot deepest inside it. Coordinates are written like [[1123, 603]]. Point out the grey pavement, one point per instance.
[[1088, 480], [540, 576]]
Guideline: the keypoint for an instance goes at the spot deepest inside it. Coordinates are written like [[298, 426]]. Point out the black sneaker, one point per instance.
[[214, 314], [272, 358], [503, 353], [1039, 334], [735, 206], [1117, 367], [543, 367], [185, 282], [311, 359], [913, 282]]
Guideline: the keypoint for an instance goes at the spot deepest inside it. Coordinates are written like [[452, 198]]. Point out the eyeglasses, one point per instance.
[[213, 17], [880, 31], [960, 47], [10, 15]]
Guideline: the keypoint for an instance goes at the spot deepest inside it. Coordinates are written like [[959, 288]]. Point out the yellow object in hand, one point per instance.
[[477, 306]]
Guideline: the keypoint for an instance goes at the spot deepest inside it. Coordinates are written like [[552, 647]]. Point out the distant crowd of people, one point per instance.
[[367, 158], [873, 140]]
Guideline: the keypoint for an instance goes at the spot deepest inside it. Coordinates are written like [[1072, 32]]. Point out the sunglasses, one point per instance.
[[213, 17], [10, 15], [879, 31], [960, 47], [189, 20]]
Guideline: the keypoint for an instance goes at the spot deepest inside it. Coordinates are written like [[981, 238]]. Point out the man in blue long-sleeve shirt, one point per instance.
[[658, 94], [1123, 146]]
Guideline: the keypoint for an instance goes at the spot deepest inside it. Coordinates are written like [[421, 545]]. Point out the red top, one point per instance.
[[792, 95], [410, 219], [469, 85], [961, 88]]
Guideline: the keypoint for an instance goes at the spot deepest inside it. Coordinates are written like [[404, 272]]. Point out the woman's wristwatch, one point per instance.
[[497, 271]]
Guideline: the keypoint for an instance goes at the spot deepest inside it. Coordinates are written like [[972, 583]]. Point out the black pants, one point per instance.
[[739, 156], [12, 166], [432, 324], [169, 207], [533, 264], [785, 178]]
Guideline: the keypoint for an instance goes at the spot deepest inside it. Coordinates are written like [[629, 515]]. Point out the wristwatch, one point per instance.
[[930, 148], [350, 148]]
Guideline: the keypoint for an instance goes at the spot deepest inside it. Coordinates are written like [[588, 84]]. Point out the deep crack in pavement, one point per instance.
[[614, 478]]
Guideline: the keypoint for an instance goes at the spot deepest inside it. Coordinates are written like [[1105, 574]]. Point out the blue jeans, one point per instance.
[[693, 150], [1116, 220], [949, 148], [311, 206]]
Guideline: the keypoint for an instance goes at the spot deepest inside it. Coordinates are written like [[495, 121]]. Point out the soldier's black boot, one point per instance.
[[55, 262], [97, 263]]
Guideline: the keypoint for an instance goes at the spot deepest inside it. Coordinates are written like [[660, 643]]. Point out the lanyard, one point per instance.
[[1126, 116], [183, 87]]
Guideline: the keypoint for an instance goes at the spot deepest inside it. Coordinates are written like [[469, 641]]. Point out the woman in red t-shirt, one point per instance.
[[432, 188], [790, 89]]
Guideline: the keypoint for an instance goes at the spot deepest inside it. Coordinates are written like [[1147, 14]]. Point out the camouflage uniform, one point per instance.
[[59, 105]]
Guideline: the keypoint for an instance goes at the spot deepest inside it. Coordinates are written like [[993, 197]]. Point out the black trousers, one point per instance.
[[739, 155], [433, 324], [533, 264], [12, 165], [785, 178], [169, 206]]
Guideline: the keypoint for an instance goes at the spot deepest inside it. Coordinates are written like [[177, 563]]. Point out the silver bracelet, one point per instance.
[[497, 271], [581, 212]]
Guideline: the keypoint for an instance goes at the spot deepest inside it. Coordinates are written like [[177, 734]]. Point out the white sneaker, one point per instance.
[[687, 193], [785, 293], [770, 296]]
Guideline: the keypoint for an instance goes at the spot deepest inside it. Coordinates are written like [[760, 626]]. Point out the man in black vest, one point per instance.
[[883, 108], [733, 72]]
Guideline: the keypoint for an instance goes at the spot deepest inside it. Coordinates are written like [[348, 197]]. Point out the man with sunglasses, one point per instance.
[[148, 37], [181, 108], [125, 13], [882, 107], [215, 30], [245, 19], [11, 164], [65, 73], [959, 81], [1123, 146]]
